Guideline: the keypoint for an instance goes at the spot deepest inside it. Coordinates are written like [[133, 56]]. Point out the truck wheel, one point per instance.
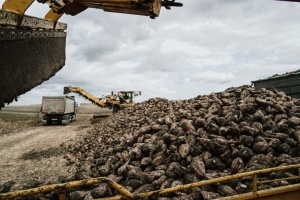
[[116, 108]]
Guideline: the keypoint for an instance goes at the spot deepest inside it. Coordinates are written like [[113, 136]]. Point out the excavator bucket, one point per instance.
[[32, 50]]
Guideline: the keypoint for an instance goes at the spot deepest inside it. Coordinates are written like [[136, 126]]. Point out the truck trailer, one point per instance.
[[59, 109]]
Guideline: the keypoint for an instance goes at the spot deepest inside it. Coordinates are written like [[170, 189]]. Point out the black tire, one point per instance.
[[49, 122], [116, 108]]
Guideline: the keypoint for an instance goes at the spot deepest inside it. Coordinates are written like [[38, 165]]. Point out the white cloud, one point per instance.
[[215, 77], [175, 47]]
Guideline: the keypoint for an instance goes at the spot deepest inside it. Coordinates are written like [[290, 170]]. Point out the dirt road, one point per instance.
[[37, 152]]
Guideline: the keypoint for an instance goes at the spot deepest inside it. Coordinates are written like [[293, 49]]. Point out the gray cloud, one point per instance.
[[205, 46]]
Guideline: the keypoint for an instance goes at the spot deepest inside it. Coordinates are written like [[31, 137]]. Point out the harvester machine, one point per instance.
[[33, 49], [116, 101]]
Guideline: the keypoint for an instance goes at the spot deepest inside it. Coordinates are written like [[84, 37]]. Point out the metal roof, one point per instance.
[[276, 76]]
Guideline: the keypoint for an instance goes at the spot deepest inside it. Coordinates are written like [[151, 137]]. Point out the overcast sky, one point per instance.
[[203, 47]]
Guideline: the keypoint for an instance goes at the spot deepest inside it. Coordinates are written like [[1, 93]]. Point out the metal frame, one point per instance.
[[61, 188], [73, 7], [13, 15]]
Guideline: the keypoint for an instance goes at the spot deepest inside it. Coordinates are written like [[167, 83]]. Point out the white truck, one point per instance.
[[59, 109]]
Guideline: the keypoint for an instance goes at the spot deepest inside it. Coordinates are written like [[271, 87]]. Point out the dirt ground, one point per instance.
[[36, 153]]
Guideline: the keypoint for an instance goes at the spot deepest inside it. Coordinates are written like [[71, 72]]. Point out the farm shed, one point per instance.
[[289, 83]]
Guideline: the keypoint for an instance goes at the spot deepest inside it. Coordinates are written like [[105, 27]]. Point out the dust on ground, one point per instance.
[[37, 153]]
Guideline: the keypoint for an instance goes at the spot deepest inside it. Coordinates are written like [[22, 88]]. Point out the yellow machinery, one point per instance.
[[289, 192], [115, 101], [33, 49], [138, 7]]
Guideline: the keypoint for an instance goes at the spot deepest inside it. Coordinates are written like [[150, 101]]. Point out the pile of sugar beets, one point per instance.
[[159, 144]]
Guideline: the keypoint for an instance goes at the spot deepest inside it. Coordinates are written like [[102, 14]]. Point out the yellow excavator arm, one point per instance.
[[73, 7], [138, 7]]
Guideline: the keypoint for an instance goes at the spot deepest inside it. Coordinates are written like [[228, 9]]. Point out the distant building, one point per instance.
[[289, 83]]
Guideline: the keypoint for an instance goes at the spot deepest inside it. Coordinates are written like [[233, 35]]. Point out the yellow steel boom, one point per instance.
[[33, 49], [116, 101], [73, 7], [290, 192], [102, 102]]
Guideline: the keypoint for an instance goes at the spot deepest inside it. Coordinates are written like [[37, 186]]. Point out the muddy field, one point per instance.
[[30, 151]]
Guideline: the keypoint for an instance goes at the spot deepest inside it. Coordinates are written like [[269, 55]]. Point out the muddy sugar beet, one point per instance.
[[159, 143]]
